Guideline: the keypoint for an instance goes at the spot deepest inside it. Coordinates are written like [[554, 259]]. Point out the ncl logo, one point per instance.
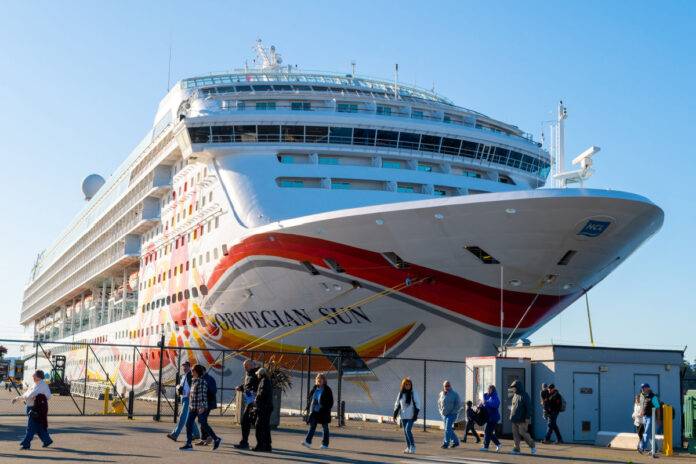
[[594, 228]]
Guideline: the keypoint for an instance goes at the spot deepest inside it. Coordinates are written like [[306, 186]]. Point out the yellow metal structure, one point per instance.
[[106, 400], [667, 419]]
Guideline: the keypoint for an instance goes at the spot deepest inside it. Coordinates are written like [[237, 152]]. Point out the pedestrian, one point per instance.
[[199, 407], [407, 407], [543, 396], [36, 401], [248, 390], [520, 416], [449, 404], [637, 417], [263, 407], [552, 408], [320, 401], [184, 389], [648, 403], [470, 423], [491, 403]]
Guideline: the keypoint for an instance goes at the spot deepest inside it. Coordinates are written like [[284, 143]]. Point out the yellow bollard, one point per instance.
[[106, 401], [667, 418]]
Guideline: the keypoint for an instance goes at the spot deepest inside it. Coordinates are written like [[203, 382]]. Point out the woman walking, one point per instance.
[[406, 407], [36, 400], [319, 404], [491, 402], [638, 417], [199, 407]]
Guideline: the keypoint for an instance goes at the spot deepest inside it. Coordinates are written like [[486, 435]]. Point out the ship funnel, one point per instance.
[[91, 185]]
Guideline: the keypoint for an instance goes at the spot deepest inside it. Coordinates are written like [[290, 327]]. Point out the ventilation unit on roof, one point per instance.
[[485, 257]]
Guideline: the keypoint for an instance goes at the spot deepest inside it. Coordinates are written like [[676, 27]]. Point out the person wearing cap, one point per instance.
[[552, 408], [648, 402], [184, 390], [36, 401]]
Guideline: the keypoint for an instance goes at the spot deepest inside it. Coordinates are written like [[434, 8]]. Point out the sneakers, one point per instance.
[[407, 450], [171, 437], [46, 445], [444, 446], [306, 445], [497, 448], [533, 450], [216, 443], [484, 449], [413, 449], [186, 447], [241, 446], [515, 451], [323, 447]]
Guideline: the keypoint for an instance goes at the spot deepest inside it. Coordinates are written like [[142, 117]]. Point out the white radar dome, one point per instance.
[[91, 185]]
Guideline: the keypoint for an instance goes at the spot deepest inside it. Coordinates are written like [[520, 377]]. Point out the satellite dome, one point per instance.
[[91, 185]]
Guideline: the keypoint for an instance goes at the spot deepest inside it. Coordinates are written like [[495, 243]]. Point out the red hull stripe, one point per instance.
[[471, 299]]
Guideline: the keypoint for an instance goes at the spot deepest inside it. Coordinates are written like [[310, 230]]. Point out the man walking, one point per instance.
[[36, 400], [264, 408], [248, 390], [520, 416], [184, 390], [552, 408], [649, 402], [449, 404], [200, 406]]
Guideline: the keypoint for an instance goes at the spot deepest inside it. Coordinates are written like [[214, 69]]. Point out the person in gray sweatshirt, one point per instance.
[[449, 404], [520, 416]]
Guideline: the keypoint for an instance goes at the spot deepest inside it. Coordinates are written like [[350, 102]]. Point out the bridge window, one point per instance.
[[384, 110], [301, 106], [347, 108], [264, 106]]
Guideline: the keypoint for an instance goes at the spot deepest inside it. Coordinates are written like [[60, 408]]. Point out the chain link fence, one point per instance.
[[128, 380]]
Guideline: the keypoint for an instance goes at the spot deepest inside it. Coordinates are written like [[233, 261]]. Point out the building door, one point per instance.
[[510, 374], [651, 379], [585, 406]]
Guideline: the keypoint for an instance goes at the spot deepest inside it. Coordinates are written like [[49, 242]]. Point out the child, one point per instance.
[[470, 423]]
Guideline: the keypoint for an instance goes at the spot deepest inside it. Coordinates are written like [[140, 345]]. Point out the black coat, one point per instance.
[[251, 381], [264, 396], [326, 402]]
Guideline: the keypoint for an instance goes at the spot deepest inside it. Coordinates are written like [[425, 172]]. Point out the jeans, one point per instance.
[[203, 421], [33, 428], [471, 429], [520, 431], [182, 420], [489, 435], [646, 441], [313, 428], [408, 432], [450, 436], [552, 427]]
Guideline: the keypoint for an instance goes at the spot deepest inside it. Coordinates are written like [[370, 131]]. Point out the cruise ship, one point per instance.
[[271, 208]]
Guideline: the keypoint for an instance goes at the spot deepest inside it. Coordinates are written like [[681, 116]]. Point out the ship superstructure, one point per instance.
[[279, 209]]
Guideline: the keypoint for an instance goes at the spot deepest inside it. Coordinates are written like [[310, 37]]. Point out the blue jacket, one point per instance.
[[492, 403]]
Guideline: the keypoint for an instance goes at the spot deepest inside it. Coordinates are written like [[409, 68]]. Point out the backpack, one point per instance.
[[563, 403], [481, 416]]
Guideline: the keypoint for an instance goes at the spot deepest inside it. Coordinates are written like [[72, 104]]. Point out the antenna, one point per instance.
[[396, 80], [562, 177], [169, 69], [352, 68]]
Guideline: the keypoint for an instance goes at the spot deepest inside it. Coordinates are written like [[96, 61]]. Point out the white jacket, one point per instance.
[[407, 410], [40, 388], [637, 416]]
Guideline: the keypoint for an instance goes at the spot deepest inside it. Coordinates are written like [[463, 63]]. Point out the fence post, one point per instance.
[[301, 384], [425, 393], [131, 395], [309, 370], [176, 389], [84, 390], [159, 380], [222, 379], [338, 387]]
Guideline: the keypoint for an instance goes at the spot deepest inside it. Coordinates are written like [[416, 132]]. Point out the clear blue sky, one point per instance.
[[80, 81]]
